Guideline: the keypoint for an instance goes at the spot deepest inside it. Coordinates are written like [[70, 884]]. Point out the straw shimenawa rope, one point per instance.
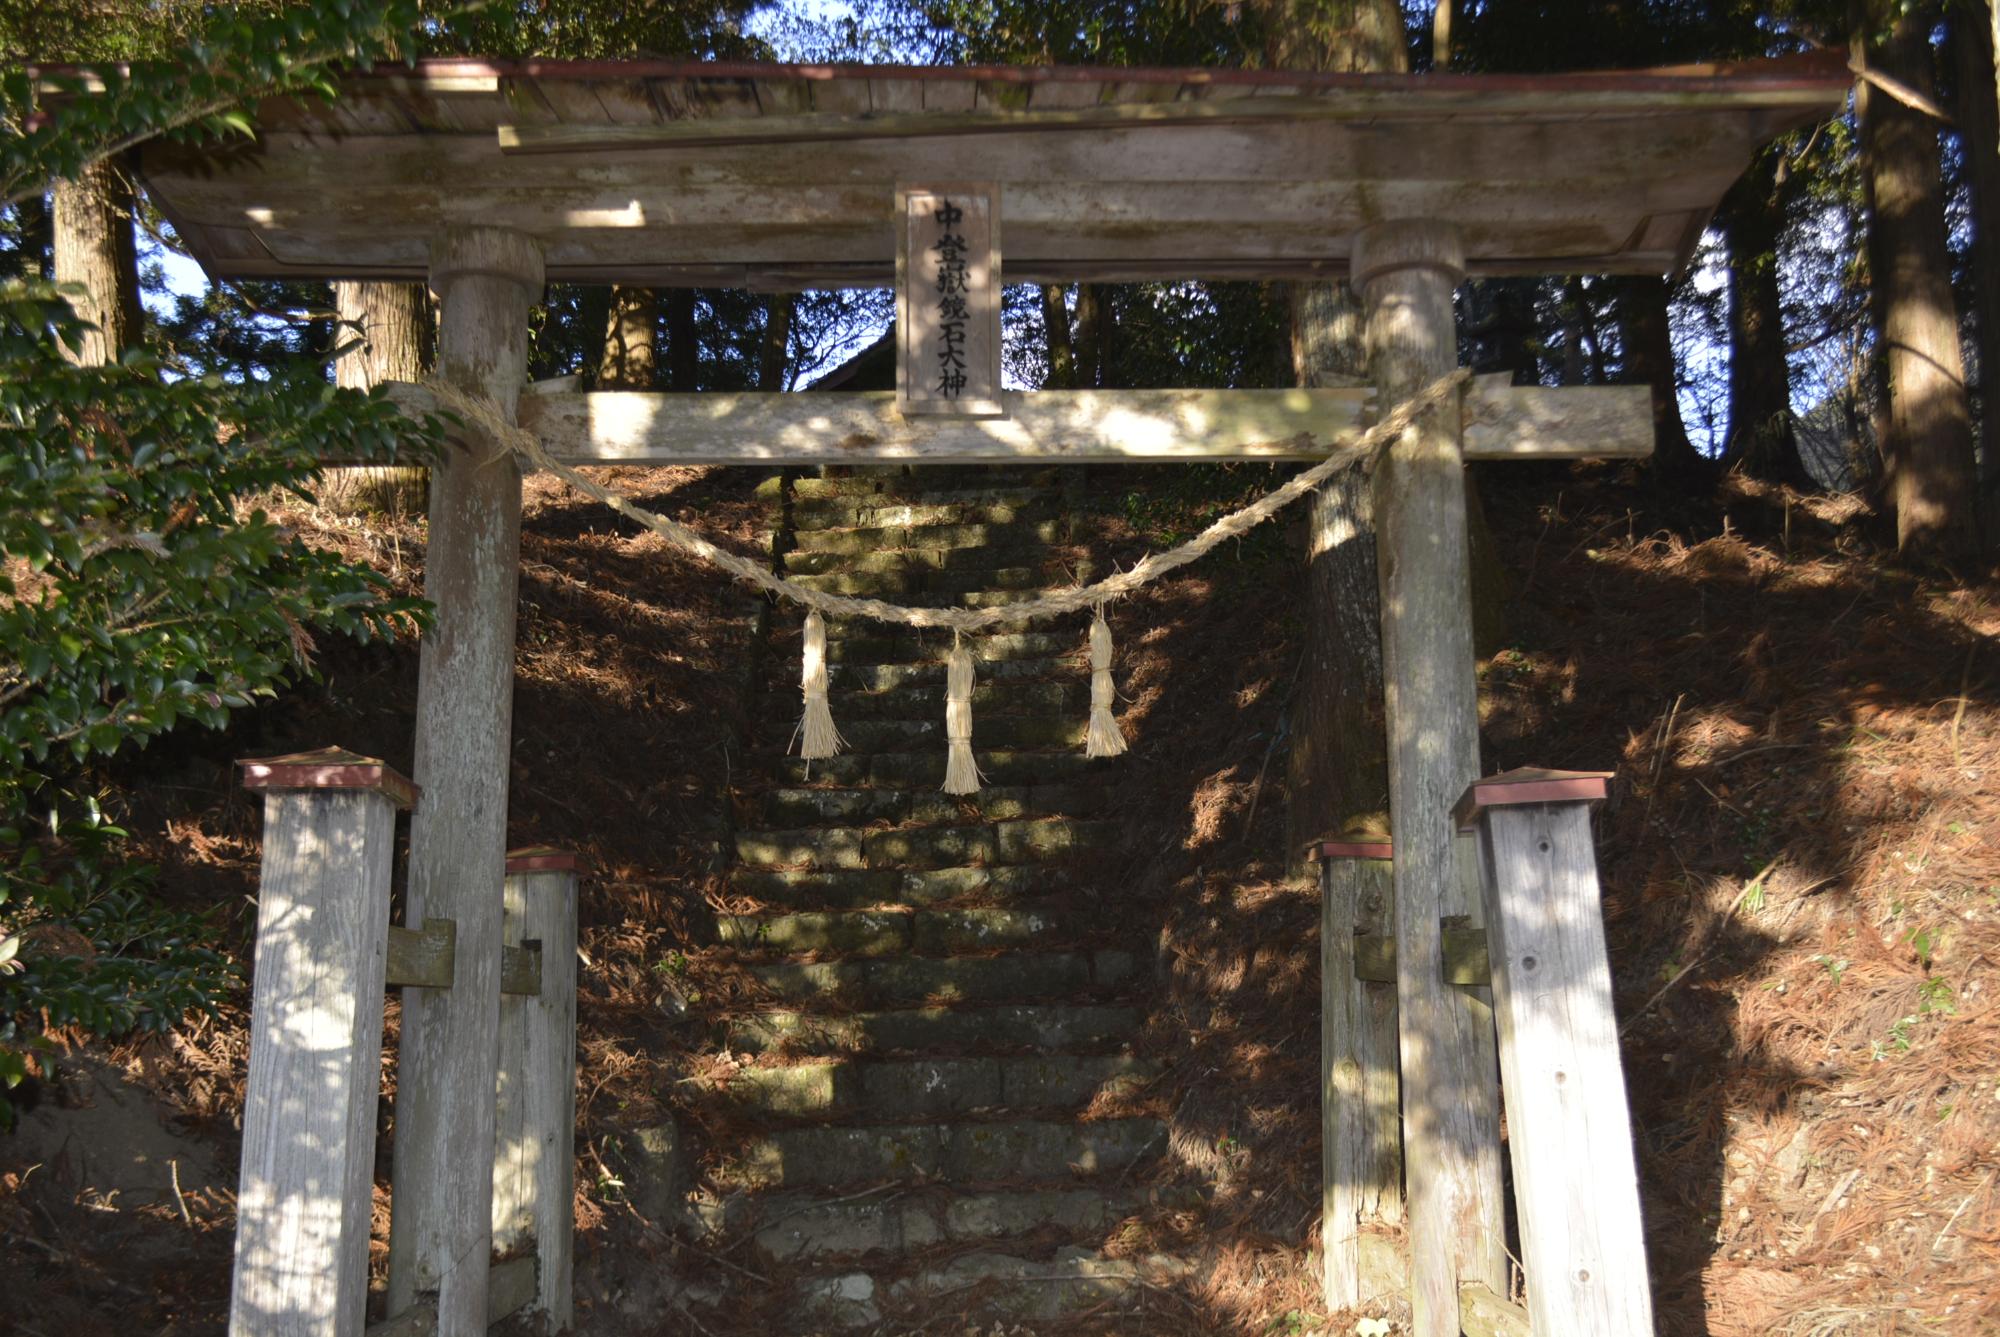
[[480, 413], [816, 733]]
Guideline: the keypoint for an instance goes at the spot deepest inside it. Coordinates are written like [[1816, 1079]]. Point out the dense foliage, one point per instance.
[[142, 585]]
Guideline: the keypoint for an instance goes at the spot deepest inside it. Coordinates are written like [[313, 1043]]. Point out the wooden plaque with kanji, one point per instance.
[[948, 299]]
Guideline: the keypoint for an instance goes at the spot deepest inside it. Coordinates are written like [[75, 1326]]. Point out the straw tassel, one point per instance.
[[961, 772], [817, 736], [1102, 739]]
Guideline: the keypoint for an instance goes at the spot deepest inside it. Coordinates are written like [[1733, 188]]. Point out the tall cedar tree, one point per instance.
[[388, 325], [1927, 443]]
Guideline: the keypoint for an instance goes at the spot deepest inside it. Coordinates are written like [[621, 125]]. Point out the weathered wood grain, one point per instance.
[[1569, 1132], [1056, 426], [1203, 185], [1481, 1313], [1464, 957], [535, 1096], [510, 1287], [920, 328], [304, 1192], [1047, 116], [441, 1230], [427, 958], [1451, 1137], [1360, 1122]]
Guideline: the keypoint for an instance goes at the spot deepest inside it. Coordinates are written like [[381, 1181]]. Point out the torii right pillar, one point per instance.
[[1406, 273]]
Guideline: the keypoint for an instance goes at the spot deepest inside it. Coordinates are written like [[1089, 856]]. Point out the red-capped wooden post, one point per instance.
[[1361, 1149], [535, 1112], [307, 1178], [1569, 1131]]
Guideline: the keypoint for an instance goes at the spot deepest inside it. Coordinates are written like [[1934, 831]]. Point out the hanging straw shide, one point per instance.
[[1103, 738], [961, 772], [817, 736]]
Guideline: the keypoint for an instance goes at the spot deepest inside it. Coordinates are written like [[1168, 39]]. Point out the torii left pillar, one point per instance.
[[441, 1233]]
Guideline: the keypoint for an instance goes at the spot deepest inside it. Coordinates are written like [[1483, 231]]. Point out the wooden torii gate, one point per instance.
[[488, 179]]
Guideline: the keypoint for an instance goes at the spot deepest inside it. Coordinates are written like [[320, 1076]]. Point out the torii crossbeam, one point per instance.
[[489, 178]]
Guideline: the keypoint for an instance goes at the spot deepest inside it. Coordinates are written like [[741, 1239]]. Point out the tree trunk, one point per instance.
[[390, 321], [1979, 124], [1574, 370], [630, 360], [95, 249], [1928, 445], [1104, 340], [1055, 321], [1649, 359], [775, 353], [683, 346], [1761, 441], [1338, 769], [1087, 344]]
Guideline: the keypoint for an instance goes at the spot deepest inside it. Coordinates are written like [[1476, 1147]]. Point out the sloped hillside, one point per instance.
[[1801, 862]]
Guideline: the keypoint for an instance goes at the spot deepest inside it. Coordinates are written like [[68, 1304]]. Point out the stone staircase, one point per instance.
[[941, 1105]]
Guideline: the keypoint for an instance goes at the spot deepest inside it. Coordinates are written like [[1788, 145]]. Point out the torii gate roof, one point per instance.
[[783, 176]]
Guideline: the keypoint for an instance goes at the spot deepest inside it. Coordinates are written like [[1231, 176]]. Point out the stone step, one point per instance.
[[824, 1157], [1028, 535], [1013, 976], [995, 699], [930, 1088], [925, 769], [863, 888], [862, 642], [1031, 840], [924, 481], [920, 513], [937, 1029], [805, 1229], [796, 807], [934, 587], [886, 932], [930, 672], [994, 732], [1000, 1285], [972, 564]]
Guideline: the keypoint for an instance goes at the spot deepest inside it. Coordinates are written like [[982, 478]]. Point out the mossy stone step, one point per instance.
[[793, 807], [933, 589], [990, 700], [882, 932], [902, 1088], [871, 643], [1038, 1289], [927, 513], [803, 1230], [862, 888], [847, 678], [926, 482], [925, 769], [1001, 732], [829, 1156], [934, 1029], [1015, 534], [1030, 840], [970, 563], [964, 979]]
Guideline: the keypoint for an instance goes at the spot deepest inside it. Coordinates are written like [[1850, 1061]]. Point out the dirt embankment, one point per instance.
[[1801, 862]]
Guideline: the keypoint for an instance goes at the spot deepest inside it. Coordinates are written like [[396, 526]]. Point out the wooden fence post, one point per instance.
[[308, 1169], [441, 1236], [1406, 272], [1569, 1132], [535, 1113], [1361, 1135]]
